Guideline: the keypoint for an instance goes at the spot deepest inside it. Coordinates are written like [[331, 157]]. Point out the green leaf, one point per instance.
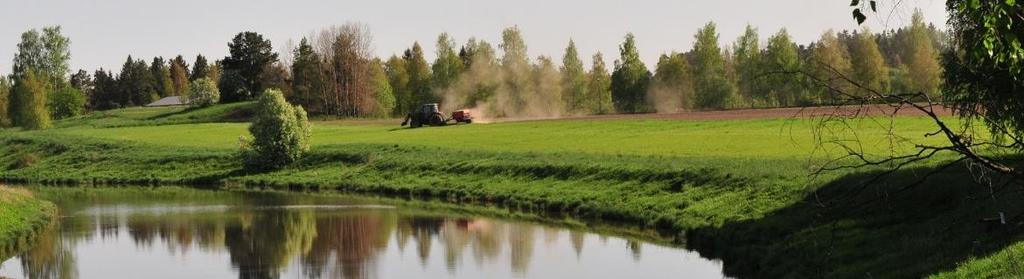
[[860, 17]]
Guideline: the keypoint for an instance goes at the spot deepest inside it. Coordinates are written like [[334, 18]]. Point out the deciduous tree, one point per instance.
[[599, 94], [672, 86], [384, 95], [869, 67], [713, 90], [419, 77], [448, 66], [203, 93], [398, 77], [747, 57], [28, 103], [66, 102], [5, 93], [574, 80], [630, 79], [830, 61], [783, 84], [280, 133], [923, 68], [179, 76]]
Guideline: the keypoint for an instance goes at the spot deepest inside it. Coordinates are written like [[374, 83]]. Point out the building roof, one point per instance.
[[169, 101]]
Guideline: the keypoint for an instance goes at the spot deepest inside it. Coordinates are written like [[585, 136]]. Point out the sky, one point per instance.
[[104, 33]]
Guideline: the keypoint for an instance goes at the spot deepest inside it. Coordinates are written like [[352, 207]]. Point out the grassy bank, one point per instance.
[[737, 190], [21, 217]]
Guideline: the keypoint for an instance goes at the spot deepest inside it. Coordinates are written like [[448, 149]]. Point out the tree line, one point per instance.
[[332, 72]]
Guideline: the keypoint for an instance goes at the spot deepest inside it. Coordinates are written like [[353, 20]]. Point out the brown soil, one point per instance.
[[736, 114]]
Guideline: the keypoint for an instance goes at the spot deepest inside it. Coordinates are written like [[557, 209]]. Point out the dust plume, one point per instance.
[[495, 92]]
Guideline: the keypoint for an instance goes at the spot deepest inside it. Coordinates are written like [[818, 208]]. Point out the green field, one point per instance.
[[739, 190], [21, 216]]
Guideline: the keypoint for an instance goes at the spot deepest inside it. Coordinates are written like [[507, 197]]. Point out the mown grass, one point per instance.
[[143, 116], [738, 190], [740, 139], [21, 217]]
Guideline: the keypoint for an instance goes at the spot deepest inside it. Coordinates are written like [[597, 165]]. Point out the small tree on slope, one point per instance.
[[280, 134]]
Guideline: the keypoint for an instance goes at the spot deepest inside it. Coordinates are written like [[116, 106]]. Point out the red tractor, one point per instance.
[[430, 115]]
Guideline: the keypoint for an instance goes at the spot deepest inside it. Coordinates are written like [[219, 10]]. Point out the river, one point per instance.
[[220, 234]]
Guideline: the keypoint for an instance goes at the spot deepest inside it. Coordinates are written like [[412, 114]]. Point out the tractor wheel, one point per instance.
[[415, 124], [437, 120], [469, 121]]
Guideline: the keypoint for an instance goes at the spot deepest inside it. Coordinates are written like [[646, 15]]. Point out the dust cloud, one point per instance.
[[494, 93]]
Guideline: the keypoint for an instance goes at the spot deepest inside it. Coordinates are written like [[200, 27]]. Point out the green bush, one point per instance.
[[280, 133], [66, 102], [203, 93]]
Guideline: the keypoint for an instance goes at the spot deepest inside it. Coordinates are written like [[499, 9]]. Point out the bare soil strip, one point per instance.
[[737, 114]]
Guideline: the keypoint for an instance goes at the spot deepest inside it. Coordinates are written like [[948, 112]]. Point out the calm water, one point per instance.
[[236, 235]]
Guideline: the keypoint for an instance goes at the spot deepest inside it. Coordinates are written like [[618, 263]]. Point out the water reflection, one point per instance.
[[259, 240]]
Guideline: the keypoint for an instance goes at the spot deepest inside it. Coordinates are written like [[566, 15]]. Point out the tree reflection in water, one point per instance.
[[267, 242]]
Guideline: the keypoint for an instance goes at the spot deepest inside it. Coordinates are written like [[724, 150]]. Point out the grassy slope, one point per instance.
[[740, 187], [21, 216]]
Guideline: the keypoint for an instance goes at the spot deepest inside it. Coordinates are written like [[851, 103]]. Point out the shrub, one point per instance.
[[66, 102], [280, 133], [24, 160], [203, 93]]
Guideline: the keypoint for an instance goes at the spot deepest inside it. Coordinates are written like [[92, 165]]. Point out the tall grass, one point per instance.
[[21, 218]]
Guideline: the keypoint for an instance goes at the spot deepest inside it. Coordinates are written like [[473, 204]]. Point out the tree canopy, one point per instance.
[[250, 53], [630, 79]]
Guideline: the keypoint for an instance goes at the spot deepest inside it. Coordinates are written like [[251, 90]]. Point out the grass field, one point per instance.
[[733, 189], [21, 216]]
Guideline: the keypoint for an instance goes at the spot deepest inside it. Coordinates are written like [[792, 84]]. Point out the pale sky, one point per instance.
[[104, 33]]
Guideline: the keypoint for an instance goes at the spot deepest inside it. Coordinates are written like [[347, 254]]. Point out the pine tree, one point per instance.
[[200, 69], [308, 84], [164, 85], [136, 84], [250, 54], [630, 79]]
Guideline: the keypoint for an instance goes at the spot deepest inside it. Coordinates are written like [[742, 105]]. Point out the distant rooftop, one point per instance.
[[169, 101]]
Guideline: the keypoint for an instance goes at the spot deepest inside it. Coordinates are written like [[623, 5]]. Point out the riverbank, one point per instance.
[[734, 190], [22, 216]]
